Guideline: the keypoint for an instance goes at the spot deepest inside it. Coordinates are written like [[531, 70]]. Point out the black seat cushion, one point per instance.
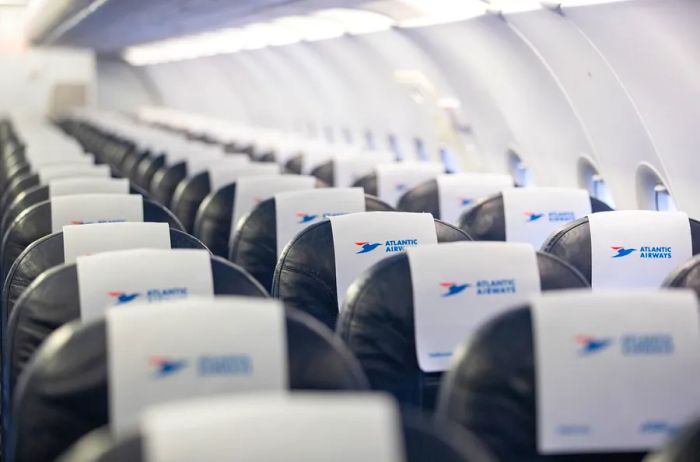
[[382, 297], [187, 197], [424, 440], [572, 243], [46, 253], [305, 273], [486, 219], [686, 276], [490, 391], [53, 300], [254, 245], [369, 184], [164, 181], [35, 223], [65, 392]]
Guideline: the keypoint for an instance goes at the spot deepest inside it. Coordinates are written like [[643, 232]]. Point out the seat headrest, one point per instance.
[[213, 221], [382, 297], [53, 300], [131, 160], [46, 253], [293, 165], [498, 404], [325, 173], [423, 440], [35, 223], [305, 276], [51, 416], [254, 245], [188, 194], [486, 220], [573, 244], [369, 184], [422, 198], [146, 169], [164, 181], [686, 276]]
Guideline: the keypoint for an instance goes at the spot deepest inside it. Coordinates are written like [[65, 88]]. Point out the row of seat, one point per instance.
[[379, 317]]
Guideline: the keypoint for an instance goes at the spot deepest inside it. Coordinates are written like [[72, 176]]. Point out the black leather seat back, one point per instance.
[[490, 391], [18, 185], [254, 245], [46, 253], [686, 276], [164, 181], [424, 440], [50, 416], [187, 197], [325, 172], [305, 273], [35, 223], [146, 169], [369, 184], [382, 297], [422, 198], [573, 244], [486, 219], [53, 299], [293, 165], [127, 167], [212, 223]]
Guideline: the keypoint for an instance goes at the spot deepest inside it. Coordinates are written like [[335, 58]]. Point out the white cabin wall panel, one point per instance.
[[121, 87], [656, 55], [611, 123], [546, 132]]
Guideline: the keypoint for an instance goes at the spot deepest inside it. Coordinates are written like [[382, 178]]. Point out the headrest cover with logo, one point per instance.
[[305, 276], [491, 388], [573, 243], [686, 276], [449, 195], [222, 209], [54, 299], [36, 222], [47, 252], [486, 219], [381, 297], [254, 246], [423, 440], [51, 416]]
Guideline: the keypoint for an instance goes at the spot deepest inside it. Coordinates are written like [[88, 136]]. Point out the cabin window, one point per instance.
[[663, 200], [519, 171], [347, 135], [328, 133], [449, 160], [421, 152], [369, 140], [394, 147], [593, 182]]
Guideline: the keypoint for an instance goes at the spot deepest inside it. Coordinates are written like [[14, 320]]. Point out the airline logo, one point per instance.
[[630, 344], [164, 367], [589, 345], [552, 217], [305, 217], [482, 287], [151, 295], [645, 252], [453, 288], [206, 365], [401, 187], [367, 247], [122, 297], [464, 201], [398, 245]]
